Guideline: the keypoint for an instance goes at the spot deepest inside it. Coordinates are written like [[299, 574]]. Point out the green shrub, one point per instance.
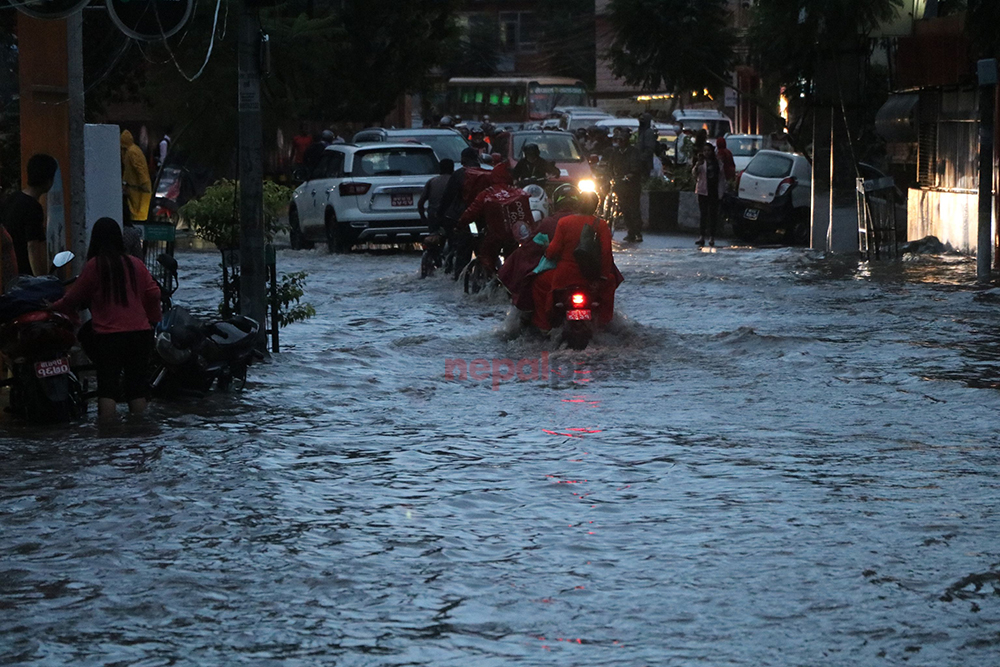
[[215, 215]]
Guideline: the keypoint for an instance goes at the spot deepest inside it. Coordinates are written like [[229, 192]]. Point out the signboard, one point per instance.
[[49, 9], [149, 20]]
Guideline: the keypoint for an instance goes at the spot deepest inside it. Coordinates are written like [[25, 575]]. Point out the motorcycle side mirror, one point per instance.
[[167, 262], [62, 259]]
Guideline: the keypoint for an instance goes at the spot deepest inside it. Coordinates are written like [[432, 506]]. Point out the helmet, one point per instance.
[[327, 136], [565, 195], [532, 149], [588, 203], [447, 121]]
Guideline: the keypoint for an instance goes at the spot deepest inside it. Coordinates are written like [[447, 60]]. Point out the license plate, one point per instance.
[[751, 214], [402, 200], [578, 314], [51, 368]]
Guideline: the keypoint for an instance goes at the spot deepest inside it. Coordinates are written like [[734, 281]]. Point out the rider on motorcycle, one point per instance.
[[516, 274], [505, 214], [533, 166], [567, 272]]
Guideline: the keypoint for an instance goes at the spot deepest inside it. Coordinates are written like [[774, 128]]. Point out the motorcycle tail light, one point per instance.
[[578, 299], [348, 189], [785, 186]]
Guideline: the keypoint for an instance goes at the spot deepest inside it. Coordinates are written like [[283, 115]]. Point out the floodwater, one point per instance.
[[771, 459]]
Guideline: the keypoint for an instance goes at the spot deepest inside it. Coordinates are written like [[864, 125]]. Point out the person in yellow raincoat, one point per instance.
[[137, 187]]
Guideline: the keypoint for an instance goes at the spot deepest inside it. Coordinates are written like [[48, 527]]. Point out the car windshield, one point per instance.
[[445, 145], [744, 146], [715, 128], [576, 122], [395, 162], [553, 147], [769, 165]]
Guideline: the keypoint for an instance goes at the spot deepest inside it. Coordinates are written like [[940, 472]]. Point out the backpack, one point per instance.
[[588, 252]]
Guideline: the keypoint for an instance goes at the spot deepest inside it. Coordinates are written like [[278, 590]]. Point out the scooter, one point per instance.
[[191, 355], [44, 389], [574, 309]]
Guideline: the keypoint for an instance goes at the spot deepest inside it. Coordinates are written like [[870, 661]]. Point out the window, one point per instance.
[[330, 165], [554, 147], [745, 147], [768, 165], [518, 32], [395, 162]]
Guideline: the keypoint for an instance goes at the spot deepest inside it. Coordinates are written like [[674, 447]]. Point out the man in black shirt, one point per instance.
[[533, 166], [25, 220]]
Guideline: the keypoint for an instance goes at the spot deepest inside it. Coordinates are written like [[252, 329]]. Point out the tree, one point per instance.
[[672, 46], [791, 40], [566, 38], [349, 61]]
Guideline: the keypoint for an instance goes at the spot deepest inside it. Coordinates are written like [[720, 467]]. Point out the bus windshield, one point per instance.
[[543, 99]]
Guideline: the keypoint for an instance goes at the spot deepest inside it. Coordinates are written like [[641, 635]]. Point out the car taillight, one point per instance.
[[578, 299], [348, 189], [785, 186]]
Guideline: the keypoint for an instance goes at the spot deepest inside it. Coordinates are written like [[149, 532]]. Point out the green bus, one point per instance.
[[513, 99]]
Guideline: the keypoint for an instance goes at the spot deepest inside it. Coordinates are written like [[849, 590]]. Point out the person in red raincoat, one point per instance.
[[567, 271], [504, 213], [517, 273]]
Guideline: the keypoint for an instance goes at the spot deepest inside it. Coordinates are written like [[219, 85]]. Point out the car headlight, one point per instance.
[[586, 185]]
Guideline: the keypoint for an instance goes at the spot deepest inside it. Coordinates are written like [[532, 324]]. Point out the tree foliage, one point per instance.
[[789, 39], [672, 45], [333, 62]]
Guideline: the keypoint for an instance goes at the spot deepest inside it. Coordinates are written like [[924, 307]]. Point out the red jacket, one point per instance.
[[142, 309]]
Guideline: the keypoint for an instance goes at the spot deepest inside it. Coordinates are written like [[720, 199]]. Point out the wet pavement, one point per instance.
[[770, 459]]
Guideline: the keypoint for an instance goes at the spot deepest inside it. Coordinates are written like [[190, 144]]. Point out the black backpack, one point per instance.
[[588, 252]]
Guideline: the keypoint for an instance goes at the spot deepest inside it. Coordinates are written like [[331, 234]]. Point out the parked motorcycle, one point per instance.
[[36, 342], [192, 356]]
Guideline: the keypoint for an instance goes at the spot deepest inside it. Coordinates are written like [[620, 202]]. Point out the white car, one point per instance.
[[362, 192], [773, 195]]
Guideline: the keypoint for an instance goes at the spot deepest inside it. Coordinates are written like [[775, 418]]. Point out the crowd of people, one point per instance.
[[483, 211]]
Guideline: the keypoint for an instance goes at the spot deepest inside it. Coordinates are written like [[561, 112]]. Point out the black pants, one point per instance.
[[709, 207], [629, 191], [122, 361]]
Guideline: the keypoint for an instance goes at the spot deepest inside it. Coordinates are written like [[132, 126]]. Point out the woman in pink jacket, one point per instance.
[[124, 303], [710, 185]]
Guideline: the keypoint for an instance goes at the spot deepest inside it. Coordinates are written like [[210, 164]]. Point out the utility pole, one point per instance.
[[77, 221], [987, 112], [253, 271]]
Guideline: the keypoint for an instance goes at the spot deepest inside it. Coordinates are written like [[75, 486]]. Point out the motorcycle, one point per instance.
[[44, 388], [575, 309], [191, 355]]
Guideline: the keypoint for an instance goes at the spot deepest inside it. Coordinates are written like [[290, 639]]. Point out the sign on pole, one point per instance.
[[48, 9], [150, 20]]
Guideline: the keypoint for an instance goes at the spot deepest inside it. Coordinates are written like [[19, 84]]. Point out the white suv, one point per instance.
[[362, 192]]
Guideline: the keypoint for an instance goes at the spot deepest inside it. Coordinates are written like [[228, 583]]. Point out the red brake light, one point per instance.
[[785, 186], [578, 299], [348, 189]]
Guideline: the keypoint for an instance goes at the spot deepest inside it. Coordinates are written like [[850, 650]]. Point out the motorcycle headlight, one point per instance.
[[586, 185]]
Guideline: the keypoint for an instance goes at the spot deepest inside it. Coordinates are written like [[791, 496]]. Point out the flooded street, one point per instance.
[[770, 459]]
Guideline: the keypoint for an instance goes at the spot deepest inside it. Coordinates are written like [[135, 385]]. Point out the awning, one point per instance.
[[896, 121]]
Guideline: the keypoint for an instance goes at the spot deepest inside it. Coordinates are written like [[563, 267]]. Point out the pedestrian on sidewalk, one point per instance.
[[24, 218], [137, 187], [124, 303], [710, 185]]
